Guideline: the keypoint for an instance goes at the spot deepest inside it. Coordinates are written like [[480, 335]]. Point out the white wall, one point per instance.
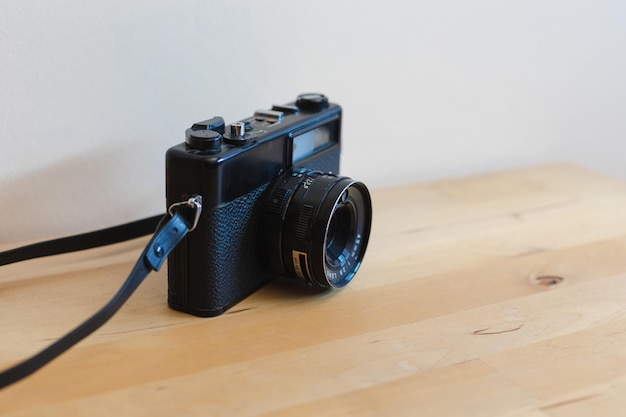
[[93, 93]]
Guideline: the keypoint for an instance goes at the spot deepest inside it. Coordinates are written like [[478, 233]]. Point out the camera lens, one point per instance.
[[316, 227]]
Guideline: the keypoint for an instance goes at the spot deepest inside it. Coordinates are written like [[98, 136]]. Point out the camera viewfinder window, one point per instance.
[[309, 143]]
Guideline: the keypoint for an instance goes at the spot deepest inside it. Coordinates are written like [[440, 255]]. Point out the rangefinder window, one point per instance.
[[309, 143]]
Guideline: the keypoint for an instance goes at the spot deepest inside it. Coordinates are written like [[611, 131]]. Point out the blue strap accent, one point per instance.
[[164, 242]]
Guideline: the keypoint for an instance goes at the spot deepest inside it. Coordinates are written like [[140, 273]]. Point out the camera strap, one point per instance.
[[170, 230]]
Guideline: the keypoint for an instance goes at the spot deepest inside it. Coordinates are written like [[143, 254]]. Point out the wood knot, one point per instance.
[[548, 280]]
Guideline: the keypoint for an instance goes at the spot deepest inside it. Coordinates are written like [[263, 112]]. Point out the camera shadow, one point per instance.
[[292, 288], [280, 290]]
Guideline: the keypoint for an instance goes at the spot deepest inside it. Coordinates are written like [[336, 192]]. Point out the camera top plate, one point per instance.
[[223, 162]]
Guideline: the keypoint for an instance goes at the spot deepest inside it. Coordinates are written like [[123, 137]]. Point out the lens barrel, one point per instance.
[[316, 227]]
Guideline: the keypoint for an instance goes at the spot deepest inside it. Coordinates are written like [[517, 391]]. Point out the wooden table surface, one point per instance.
[[495, 295]]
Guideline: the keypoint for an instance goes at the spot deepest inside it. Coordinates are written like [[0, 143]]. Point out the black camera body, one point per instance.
[[255, 178]]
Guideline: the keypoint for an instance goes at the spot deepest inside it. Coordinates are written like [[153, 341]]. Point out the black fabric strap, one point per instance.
[[83, 241], [170, 231]]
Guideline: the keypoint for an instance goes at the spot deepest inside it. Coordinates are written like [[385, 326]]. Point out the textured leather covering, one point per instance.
[[219, 264]]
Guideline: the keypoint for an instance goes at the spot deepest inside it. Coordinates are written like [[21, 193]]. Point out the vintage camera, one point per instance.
[[273, 205]]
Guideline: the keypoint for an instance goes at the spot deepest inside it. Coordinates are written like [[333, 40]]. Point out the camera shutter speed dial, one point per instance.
[[203, 140], [312, 102]]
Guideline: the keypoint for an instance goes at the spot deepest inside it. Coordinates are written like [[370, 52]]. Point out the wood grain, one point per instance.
[[495, 295]]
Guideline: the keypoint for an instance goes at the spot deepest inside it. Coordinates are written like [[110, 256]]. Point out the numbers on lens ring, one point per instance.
[[307, 183], [357, 245], [332, 275]]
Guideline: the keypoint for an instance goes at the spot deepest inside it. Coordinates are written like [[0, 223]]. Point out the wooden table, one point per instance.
[[495, 295]]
